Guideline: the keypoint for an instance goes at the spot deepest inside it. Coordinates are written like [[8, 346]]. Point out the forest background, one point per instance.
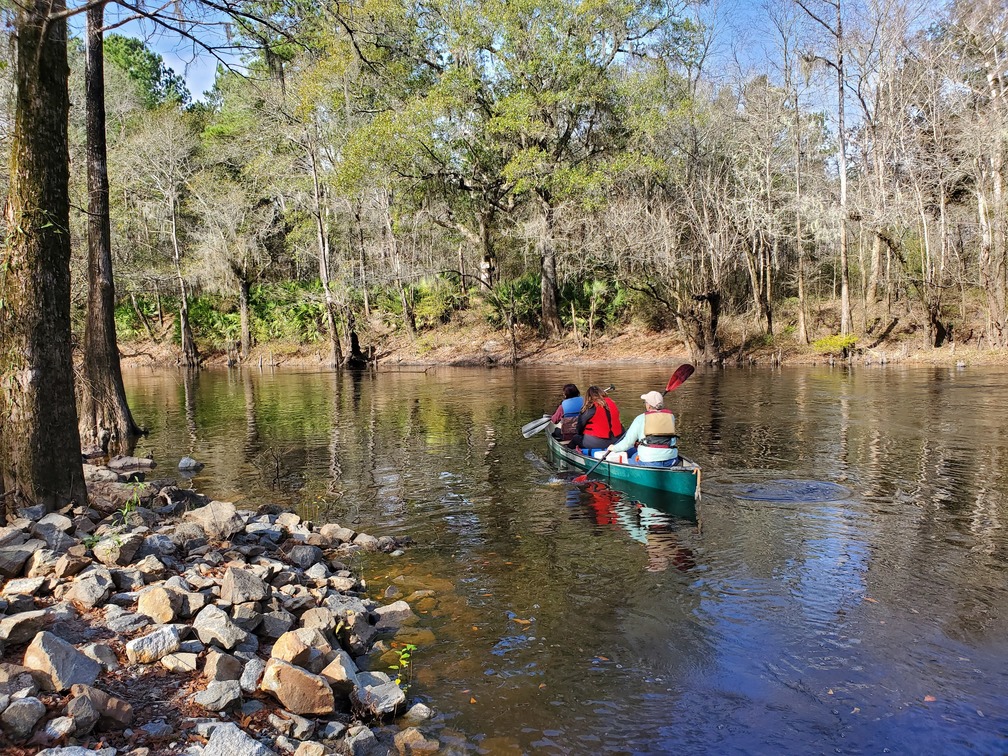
[[373, 179], [557, 170]]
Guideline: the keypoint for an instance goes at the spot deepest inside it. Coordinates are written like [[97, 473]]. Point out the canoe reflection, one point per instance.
[[653, 518]]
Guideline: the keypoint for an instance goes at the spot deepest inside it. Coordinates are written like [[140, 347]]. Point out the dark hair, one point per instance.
[[570, 391]]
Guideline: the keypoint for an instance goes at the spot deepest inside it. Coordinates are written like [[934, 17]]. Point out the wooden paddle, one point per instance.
[[678, 378]]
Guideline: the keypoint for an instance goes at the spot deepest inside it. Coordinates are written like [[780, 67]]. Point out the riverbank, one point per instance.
[[469, 341], [155, 621]]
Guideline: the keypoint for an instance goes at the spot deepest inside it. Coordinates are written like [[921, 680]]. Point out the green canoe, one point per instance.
[[681, 480]]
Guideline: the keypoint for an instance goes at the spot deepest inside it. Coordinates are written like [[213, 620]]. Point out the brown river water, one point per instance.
[[839, 588]]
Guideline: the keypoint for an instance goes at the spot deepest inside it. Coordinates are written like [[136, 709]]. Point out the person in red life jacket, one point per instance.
[[654, 434], [567, 413], [598, 422]]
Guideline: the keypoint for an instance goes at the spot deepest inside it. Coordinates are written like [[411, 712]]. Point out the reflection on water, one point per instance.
[[840, 587]]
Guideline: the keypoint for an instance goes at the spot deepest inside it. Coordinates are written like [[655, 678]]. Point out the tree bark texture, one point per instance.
[[40, 451], [105, 420], [548, 288]]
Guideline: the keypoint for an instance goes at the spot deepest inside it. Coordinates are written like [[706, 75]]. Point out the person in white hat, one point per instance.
[[653, 432]]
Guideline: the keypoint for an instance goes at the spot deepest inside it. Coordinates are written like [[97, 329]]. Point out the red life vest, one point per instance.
[[604, 424]]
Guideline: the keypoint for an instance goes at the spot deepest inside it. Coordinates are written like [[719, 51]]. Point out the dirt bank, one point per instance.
[[469, 342]]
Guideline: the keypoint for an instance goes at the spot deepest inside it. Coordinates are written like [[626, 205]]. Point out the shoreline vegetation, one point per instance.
[[467, 341], [155, 621]]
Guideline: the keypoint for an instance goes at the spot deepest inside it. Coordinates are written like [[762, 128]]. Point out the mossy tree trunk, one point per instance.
[[40, 450]]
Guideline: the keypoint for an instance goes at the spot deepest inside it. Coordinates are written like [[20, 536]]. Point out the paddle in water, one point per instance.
[[678, 378]]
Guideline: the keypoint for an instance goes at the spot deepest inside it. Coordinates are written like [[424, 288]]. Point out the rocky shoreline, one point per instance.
[[155, 621]]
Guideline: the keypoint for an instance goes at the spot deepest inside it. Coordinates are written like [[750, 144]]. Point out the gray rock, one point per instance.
[[158, 728], [57, 520], [305, 556], [60, 727], [394, 616], [153, 646], [380, 700], [219, 519], [188, 463], [128, 579], [102, 654], [242, 586], [417, 714], [212, 625], [11, 536], [228, 740], [21, 716], [12, 560], [24, 586], [91, 588], [252, 674], [221, 667], [159, 603], [219, 695], [332, 730], [118, 549], [310, 748], [360, 741], [21, 628], [61, 663], [366, 542], [275, 624], [182, 662], [127, 623]]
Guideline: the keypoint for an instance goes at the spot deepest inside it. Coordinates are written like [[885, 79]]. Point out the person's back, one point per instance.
[[566, 414], [599, 422], [653, 432]]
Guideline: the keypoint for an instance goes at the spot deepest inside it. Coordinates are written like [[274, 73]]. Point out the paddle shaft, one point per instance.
[[584, 477]]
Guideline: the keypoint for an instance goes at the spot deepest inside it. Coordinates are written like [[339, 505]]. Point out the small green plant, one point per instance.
[[835, 344], [404, 671], [131, 505], [91, 541]]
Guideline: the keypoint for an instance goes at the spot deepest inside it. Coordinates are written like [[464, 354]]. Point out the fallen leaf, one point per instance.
[[472, 700], [602, 658], [475, 628], [929, 699], [542, 685], [521, 621], [871, 600]]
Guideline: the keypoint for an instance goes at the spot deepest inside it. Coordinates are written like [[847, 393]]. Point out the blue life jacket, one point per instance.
[[572, 406]]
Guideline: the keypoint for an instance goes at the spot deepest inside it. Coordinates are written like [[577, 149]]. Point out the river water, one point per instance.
[[839, 588]]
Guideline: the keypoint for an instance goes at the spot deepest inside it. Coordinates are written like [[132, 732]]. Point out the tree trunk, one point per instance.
[[40, 451], [190, 353], [105, 420], [845, 309], [246, 326], [322, 236], [548, 290]]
